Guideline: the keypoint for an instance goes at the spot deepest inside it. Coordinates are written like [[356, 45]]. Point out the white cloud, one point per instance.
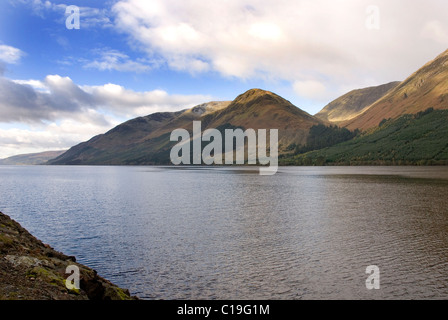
[[266, 31], [58, 97], [10, 54], [114, 60], [436, 31], [311, 89], [292, 40], [36, 84], [54, 136], [129, 103], [56, 113], [90, 17], [94, 17]]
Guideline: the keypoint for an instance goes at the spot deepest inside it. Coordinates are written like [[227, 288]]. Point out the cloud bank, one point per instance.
[[57, 97], [55, 113], [327, 42]]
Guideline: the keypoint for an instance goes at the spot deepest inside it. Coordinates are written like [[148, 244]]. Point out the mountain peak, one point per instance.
[[147, 140], [258, 96], [255, 93]]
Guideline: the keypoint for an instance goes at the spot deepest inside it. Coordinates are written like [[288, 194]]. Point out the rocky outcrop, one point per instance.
[[32, 270]]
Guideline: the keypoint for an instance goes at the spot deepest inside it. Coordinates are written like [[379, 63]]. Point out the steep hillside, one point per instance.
[[353, 103], [426, 88], [260, 109], [146, 140], [419, 139], [137, 141]]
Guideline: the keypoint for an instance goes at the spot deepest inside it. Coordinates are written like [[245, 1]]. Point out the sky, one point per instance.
[[61, 83]]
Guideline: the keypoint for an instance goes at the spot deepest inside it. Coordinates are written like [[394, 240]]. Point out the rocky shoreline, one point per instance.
[[32, 270]]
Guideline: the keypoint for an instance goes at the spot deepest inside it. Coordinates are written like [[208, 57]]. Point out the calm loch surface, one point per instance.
[[229, 233]]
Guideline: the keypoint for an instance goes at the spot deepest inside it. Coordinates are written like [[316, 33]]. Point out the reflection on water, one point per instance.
[[229, 233]]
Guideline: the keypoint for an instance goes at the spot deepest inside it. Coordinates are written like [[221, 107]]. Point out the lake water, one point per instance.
[[229, 233]]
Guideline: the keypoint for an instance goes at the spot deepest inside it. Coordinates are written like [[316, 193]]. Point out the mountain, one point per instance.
[[353, 103], [418, 139], [426, 88], [260, 109], [142, 140], [378, 112], [31, 158], [146, 140]]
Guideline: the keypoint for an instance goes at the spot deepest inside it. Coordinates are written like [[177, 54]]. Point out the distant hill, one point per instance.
[[31, 158], [426, 88], [353, 103], [146, 140], [418, 139]]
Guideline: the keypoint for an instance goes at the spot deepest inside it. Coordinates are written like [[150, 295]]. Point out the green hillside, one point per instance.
[[419, 139]]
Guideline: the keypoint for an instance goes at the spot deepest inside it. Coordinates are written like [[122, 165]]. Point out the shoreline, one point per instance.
[[32, 270]]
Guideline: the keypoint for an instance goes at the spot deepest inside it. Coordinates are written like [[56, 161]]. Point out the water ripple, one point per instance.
[[306, 233]]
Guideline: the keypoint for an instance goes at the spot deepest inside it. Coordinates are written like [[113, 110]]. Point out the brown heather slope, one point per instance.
[[132, 141], [353, 103], [426, 88], [31, 270], [146, 140], [260, 109]]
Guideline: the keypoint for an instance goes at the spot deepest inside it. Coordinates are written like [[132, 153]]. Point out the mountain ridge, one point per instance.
[[146, 140], [425, 88], [354, 103]]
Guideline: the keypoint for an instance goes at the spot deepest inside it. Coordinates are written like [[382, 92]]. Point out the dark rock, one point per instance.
[[32, 270]]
